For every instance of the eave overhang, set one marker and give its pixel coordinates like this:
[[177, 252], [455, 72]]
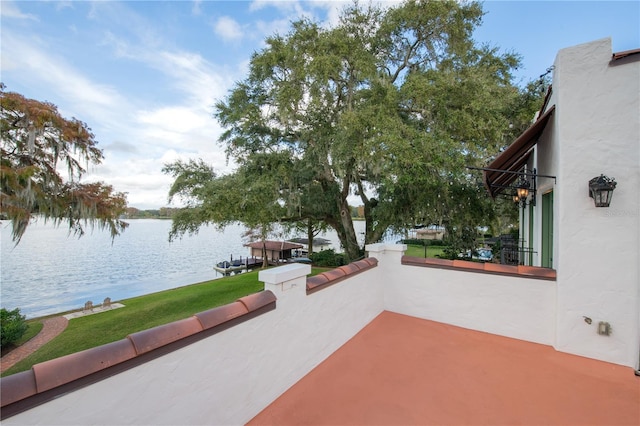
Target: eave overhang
[[502, 171]]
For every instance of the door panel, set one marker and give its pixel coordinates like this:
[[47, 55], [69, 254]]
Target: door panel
[[530, 236], [547, 230]]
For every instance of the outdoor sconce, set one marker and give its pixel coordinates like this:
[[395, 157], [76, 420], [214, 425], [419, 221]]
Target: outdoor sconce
[[601, 190], [521, 192]]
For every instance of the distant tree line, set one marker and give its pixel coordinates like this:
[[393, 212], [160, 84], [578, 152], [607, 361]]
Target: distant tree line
[[168, 212], [161, 213]]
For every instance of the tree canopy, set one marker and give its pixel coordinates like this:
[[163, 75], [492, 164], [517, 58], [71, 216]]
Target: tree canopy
[[36, 142], [388, 107]]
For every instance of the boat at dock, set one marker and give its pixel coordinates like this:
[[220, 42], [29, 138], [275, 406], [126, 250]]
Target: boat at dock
[[227, 267]]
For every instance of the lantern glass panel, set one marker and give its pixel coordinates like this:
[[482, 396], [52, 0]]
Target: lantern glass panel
[[601, 190], [523, 192]]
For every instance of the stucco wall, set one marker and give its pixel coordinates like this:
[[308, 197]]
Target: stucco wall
[[229, 377], [509, 306], [597, 132]]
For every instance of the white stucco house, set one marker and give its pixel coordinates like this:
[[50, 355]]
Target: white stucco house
[[576, 296], [588, 126]]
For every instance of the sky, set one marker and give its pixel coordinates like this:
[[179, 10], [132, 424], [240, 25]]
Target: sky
[[145, 75]]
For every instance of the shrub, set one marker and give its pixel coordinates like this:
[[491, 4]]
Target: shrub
[[12, 326], [328, 258]]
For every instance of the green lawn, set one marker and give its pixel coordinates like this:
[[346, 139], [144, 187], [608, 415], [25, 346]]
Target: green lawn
[[418, 251], [141, 313]]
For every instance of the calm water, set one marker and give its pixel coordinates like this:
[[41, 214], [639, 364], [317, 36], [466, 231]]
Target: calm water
[[50, 272]]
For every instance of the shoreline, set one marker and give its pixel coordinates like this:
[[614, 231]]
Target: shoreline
[[74, 312]]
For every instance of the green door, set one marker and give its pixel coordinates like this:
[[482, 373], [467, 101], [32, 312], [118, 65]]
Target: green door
[[531, 209], [547, 230]]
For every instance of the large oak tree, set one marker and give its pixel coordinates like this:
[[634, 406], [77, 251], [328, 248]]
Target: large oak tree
[[388, 106], [36, 142]]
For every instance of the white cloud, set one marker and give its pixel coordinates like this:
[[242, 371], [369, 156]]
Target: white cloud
[[176, 119], [228, 28], [142, 178], [187, 71], [183, 130], [85, 99], [138, 133], [194, 75], [196, 9], [269, 28], [121, 48], [294, 10], [288, 7], [10, 10], [119, 18], [326, 12], [121, 146], [63, 4], [141, 140]]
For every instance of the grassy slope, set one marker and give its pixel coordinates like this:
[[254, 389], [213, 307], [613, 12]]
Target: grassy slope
[[141, 313]]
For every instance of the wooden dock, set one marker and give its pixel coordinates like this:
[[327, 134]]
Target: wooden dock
[[228, 267]]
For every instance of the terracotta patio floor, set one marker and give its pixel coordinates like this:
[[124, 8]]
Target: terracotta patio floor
[[401, 370]]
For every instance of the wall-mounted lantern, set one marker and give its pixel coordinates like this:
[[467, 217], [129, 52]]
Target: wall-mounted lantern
[[601, 190], [521, 191]]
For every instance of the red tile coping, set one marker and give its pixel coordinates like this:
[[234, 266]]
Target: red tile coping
[[534, 272], [148, 340], [221, 314], [328, 278], [257, 300], [56, 372], [49, 379]]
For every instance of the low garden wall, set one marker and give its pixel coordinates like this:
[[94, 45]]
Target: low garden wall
[[225, 365], [222, 366], [510, 301]]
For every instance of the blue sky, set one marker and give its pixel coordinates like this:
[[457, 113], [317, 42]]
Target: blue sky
[[145, 75]]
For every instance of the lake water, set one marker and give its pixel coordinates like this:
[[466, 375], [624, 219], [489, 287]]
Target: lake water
[[50, 272]]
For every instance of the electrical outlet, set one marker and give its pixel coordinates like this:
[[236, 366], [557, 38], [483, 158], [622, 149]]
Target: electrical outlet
[[604, 328]]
